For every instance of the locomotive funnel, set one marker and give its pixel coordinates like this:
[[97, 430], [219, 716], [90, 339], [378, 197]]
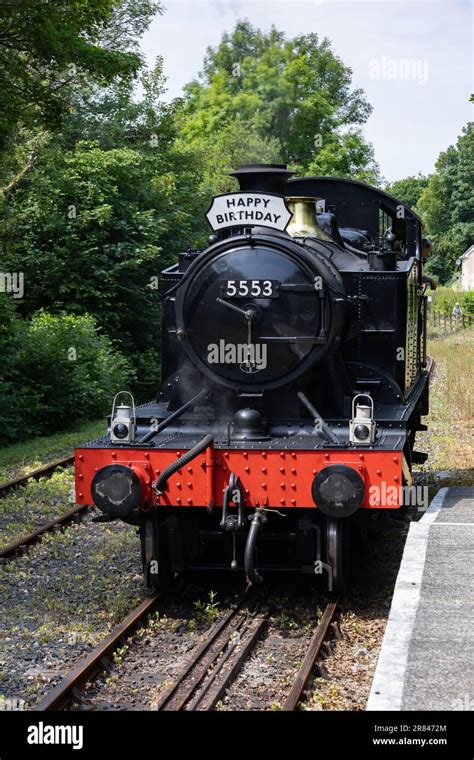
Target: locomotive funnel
[[262, 178]]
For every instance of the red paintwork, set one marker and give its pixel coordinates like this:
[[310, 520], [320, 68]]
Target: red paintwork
[[270, 478]]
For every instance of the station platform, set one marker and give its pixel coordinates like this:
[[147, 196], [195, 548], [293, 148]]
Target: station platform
[[427, 657]]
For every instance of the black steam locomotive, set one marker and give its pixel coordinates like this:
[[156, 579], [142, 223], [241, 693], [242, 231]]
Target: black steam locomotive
[[294, 381]]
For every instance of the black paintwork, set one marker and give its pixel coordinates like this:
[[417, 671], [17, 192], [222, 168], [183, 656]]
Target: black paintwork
[[369, 307], [366, 316]]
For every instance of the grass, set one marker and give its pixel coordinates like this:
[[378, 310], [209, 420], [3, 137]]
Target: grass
[[449, 440], [444, 298], [25, 509], [21, 458], [453, 389]]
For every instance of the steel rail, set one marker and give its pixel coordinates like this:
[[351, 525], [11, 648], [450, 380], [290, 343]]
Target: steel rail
[[64, 693], [220, 679], [35, 535], [294, 697], [31, 538], [211, 669], [48, 469]]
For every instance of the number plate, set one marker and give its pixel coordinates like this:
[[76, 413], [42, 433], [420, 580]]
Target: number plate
[[250, 289]]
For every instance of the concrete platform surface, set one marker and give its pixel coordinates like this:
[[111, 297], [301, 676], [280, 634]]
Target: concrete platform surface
[[427, 657]]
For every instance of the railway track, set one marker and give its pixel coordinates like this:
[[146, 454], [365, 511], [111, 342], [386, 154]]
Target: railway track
[[66, 690], [40, 472], [213, 665], [30, 538], [319, 637]]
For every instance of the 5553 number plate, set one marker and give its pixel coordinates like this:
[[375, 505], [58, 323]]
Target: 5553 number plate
[[250, 288]]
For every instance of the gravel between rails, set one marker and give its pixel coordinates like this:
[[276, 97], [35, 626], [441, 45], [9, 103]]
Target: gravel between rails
[[65, 594], [267, 676], [33, 505], [59, 599], [155, 654]]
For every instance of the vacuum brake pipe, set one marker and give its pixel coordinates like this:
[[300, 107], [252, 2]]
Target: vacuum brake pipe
[[249, 557], [318, 420], [163, 478], [155, 430]]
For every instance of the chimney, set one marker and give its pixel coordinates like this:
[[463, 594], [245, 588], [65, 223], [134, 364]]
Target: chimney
[[263, 178]]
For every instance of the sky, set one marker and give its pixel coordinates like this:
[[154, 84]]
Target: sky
[[413, 58]]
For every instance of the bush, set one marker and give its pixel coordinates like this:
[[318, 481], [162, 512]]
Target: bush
[[468, 302], [131, 215], [56, 369], [445, 298]]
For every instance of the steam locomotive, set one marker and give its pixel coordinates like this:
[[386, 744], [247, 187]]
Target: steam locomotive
[[294, 375]]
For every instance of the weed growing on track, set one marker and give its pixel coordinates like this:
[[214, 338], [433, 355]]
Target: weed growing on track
[[207, 612]]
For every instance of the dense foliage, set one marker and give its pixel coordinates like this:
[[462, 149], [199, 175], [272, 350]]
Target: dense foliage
[[48, 48], [100, 187], [91, 226], [445, 201], [292, 98], [409, 189], [56, 370], [447, 205]]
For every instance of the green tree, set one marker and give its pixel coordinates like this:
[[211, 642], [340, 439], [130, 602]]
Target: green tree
[[48, 52], [233, 145], [447, 205], [45, 45], [297, 92], [91, 225], [408, 190]]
